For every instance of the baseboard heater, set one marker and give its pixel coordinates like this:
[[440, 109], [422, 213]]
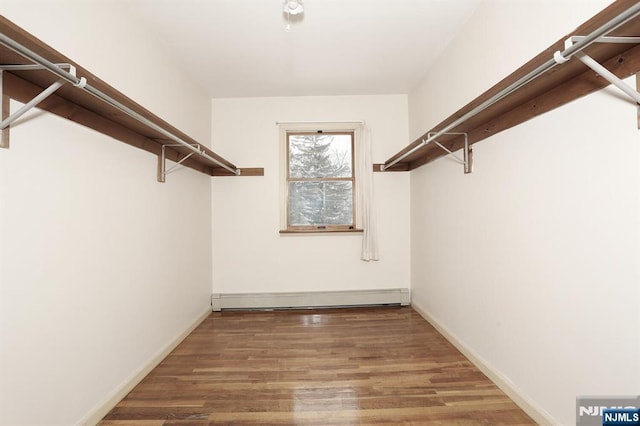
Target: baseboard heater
[[313, 299]]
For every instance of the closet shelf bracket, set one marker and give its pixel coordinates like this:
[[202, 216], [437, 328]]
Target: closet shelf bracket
[[7, 117], [598, 68], [467, 152], [162, 160]]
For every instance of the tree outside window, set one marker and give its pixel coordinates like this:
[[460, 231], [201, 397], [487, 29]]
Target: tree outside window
[[320, 181]]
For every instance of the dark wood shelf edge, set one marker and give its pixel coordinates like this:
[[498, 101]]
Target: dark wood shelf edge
[[400, 167], [255, 171]]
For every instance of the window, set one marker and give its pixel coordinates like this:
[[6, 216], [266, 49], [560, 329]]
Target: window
[[318, 180]]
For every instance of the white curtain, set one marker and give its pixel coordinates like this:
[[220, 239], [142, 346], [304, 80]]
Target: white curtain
[[366, 198]]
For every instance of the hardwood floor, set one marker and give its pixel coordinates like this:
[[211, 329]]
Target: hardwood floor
[[316, 367]]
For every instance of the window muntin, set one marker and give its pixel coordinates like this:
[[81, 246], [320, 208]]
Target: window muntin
[[320, 180]]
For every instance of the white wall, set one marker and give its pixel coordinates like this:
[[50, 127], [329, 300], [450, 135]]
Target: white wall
[[532, 261], [249, 254], [101, 267]]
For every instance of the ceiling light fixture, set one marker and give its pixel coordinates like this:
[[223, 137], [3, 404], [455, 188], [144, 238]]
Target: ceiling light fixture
[[293, 7]]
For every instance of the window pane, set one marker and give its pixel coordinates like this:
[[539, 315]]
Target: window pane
[[320, 203], [320, 156]]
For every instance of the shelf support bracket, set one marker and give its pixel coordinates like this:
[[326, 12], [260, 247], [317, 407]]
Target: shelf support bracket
[[467, 152], [601, 70], [162, 162], [8, 118]]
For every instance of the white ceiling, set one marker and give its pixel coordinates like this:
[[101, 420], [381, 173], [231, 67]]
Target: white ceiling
[[240, 48]]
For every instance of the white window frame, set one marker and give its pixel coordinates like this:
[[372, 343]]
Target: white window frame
[[315, 127]]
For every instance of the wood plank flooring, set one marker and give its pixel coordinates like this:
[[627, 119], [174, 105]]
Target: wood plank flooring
[[378, 366]]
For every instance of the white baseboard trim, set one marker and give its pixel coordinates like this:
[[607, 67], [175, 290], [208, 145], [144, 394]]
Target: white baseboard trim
[[103, 408], [539, 415], [394, 296]]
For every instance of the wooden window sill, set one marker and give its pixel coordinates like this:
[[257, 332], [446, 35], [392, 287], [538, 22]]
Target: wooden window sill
[[321, 231]]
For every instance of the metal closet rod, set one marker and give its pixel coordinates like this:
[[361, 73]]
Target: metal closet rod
[[565, 55], [81, 83]]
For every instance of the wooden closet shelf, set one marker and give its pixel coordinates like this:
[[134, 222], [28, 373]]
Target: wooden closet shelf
[[84, 108], [554, 88]]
